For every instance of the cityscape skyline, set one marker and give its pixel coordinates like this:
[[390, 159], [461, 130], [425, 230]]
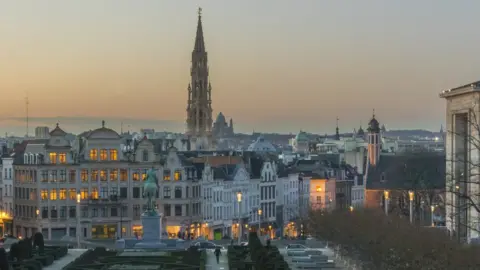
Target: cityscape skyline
[[138, 60]]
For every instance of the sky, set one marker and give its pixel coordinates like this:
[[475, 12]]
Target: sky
[[275, 65]]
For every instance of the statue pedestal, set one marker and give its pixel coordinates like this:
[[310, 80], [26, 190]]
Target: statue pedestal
[[152, 227], [151, 222]]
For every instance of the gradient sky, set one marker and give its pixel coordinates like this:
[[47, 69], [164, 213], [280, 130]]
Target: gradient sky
[[275, 65]]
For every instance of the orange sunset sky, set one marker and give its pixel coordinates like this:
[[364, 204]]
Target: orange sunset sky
[[275, 66]]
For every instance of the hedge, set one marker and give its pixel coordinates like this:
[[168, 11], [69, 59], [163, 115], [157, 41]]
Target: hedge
[[376, 241]]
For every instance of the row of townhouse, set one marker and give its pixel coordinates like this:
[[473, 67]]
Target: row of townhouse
[[211, 194]]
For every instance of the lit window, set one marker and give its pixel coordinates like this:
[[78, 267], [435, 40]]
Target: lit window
[[72, 194], [103, 154], [113, 154], [135, 176], [144, 175], [53, 195], [166, 175], [94, 194], [123, 175], [178, 175], [62, 158], [318, 189], [84, 175], [103, 175], [53, 158], [44, 194], [113, 175], [93, 154], [84, 193], [94, 175], [63, 194]]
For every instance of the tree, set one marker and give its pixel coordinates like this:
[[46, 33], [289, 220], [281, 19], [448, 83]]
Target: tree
[[377, 241], [424, 174], [462, 178]]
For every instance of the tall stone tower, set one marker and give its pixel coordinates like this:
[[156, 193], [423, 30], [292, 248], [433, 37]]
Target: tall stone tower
[[374, 142], [199, 106]]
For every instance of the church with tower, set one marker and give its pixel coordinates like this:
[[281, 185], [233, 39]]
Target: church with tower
[[200, 128]]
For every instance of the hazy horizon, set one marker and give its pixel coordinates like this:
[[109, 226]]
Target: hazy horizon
[[275, 66]]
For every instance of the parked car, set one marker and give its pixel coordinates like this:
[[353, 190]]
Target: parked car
[[295, 246], [206, 245]]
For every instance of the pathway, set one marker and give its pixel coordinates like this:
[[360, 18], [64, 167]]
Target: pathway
[[71, 256], [212, 261]]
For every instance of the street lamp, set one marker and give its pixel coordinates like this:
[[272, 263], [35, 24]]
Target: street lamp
[[386, 196], [351, 208], [38, 220], [239, 200], [411, 196], [259, 212], [78, 219], [433, 209]]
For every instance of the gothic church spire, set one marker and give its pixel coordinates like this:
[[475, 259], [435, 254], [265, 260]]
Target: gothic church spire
[[199, 40]]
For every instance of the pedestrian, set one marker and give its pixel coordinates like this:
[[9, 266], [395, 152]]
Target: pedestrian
[[217, 254]]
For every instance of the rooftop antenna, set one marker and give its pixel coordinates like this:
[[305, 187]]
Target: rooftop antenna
[[26, 110], [121, 127]]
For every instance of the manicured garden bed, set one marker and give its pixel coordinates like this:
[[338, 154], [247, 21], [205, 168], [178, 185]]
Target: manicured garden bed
[[31, 255], [100, 258], [255, 255]]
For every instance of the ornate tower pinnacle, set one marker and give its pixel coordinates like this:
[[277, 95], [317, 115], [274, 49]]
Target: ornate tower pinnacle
[[199, 106], [337, 132]]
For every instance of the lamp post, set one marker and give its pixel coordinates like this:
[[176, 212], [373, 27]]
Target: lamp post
[[78, 219], [411, 196], [259, 212], [351, 208], [239, 200], [38, 220], [433, 209], [385, 195]]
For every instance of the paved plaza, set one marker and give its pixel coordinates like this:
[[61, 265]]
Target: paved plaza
[[212, 261]]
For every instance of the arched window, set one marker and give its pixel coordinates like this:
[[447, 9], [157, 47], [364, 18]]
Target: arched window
[[25, 158]]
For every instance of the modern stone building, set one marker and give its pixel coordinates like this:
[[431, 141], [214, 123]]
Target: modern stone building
[[462, 161]]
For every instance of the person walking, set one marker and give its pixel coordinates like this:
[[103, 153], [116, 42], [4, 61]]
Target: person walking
[[217, 254]]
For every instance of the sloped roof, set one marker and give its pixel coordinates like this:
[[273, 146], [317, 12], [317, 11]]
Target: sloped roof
[[57, 131], [408, 171]]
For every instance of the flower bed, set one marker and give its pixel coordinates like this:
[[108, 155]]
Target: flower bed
[[100, 258], [375, 241], [25, 256], [265, 257]]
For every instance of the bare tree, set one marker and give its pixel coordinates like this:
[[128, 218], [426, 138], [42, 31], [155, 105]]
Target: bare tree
[[424, 179], [462, 177]]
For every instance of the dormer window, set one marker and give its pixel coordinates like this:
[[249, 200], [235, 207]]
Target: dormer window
[[178, 175], [25, 158], [113, 154], [62, 158], [382, 177], [166, 175], [32, 160], [145, 156], [93, 154], [53, 158], [103, 154]]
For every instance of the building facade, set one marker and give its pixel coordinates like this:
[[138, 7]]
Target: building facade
[[462, 180]]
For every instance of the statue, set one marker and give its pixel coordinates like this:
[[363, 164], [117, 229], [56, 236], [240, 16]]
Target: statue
[[150, 188]]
